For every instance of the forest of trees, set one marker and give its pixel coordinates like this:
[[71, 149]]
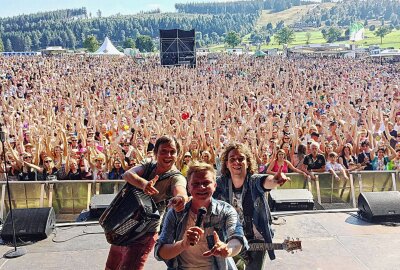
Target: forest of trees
[[349, 11], [69, 28], [235, 7]]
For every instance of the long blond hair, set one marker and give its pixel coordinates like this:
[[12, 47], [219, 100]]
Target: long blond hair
[[242, 148]]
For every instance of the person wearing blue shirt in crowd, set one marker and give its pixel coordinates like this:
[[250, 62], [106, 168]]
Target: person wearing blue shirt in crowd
[[245, 191], [183, 245]]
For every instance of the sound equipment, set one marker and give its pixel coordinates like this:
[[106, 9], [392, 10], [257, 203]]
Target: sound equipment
[[99, 203], [290, 200], [31, 224], [380, 206]]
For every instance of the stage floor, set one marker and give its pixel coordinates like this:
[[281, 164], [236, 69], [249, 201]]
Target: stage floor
[[329, 241]]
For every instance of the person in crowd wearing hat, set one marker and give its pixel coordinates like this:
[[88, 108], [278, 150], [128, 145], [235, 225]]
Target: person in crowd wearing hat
[[28, 148], [183, 163], [99, 169]]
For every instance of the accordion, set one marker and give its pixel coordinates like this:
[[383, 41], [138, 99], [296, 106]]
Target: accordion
[[129, 216]]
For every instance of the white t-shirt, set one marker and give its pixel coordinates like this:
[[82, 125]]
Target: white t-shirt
[[192, 258]]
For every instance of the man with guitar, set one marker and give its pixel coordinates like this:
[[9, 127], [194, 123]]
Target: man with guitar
[[245, 191], [206, 234], [162, 181]]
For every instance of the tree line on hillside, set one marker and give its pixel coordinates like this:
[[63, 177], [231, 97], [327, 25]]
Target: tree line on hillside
[[235, 7], [349, 11], [30, 32]]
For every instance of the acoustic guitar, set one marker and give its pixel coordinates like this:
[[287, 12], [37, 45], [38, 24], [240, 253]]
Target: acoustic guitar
[[290, 245]]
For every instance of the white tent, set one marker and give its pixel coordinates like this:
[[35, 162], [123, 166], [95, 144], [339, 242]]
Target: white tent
[[107, 48]]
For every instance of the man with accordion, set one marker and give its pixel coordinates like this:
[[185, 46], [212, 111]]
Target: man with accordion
[[149, 185]]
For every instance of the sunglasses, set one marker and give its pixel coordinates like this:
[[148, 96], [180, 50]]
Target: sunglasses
[[48, 161], [27, 157], [240, 159]]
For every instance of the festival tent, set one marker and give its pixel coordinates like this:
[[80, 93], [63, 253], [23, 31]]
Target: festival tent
[[259, 53], [107, 48]]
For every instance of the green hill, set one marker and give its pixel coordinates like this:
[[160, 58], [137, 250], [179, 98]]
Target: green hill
[[290, 15]]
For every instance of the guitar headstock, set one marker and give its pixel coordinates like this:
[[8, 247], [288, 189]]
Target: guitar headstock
[[290, 245]]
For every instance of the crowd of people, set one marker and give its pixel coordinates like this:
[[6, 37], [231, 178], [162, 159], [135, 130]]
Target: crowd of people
[[233, 128], [76, 117]]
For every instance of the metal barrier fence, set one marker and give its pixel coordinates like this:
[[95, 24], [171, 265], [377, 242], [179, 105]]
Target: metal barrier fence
[[70, 197]]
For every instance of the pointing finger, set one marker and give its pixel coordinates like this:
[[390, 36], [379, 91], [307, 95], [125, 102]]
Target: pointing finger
[[154, 180], [216, 237]]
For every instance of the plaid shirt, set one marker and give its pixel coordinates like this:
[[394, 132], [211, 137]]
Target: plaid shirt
[[222, 218]]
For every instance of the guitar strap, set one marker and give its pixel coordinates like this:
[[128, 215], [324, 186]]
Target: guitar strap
[[151, 166]]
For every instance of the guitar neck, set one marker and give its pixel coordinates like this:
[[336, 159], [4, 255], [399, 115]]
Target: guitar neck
[[265, 246]]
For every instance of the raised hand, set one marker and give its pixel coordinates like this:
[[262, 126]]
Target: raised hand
[[149, 188], [177, 202], [220, 249], [192, 236], [280, 178]]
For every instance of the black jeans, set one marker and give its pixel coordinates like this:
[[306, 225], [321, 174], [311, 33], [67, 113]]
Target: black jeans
[[256, 260]]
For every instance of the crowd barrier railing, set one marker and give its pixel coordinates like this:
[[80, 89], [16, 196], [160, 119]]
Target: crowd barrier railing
[[71, 197]]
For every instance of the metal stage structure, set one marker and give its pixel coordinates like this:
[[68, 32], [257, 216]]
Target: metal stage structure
[[177, 47]]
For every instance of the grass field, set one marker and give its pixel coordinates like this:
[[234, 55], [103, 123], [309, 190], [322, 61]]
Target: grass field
[[390, 40], [289, 16]]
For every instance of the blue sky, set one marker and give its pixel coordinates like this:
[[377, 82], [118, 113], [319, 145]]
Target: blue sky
[[17, 7]]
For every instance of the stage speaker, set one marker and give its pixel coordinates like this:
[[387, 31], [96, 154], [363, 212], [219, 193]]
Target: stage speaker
[[99, 203], [290, 200], [31, 224], [380, 206]]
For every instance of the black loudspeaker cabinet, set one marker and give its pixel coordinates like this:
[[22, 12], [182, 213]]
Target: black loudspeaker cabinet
[[31, 224], [380, 206], [290, 200]]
